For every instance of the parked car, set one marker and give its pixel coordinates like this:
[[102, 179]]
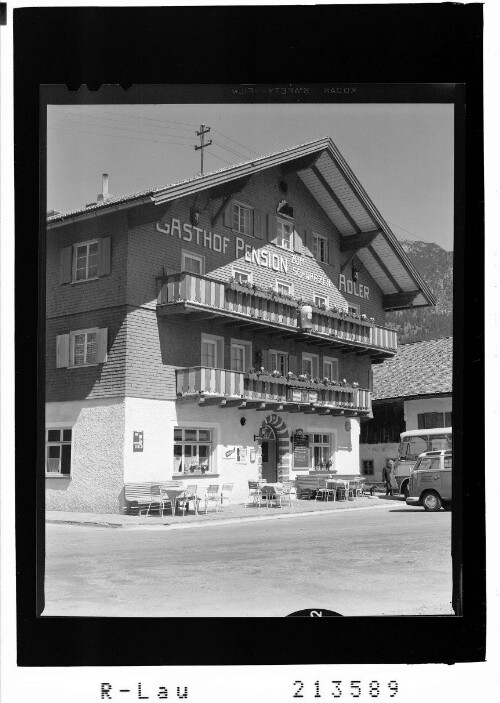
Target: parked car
[[430, 481]]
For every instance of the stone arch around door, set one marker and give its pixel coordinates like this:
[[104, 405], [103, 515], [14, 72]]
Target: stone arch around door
[[283, 442]]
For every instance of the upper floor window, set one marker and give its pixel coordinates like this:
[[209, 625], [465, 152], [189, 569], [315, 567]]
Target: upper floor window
[[320, 301], [353, 309], [284, 234], [242, 218], [193, 263], [320, 248], [331, 368], [82, 348], [85, 261], [241, 355], [58, 451], [212, 351], [284, 288], [278, 361], [310, 363], [242, 276]]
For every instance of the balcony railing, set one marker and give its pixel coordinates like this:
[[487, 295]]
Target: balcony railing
[[188, 292], [231, 388]]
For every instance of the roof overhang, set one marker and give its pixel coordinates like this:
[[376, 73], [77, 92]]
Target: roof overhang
[[328, 177]]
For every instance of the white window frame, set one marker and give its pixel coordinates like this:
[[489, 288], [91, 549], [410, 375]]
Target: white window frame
[[196, 257], [194, 442], [355, 306], [335, 363], [59, 426], [213, 339], [282, 353], [247, 352], [72, 336], [332, 433], [244, 272], [280, 221], [314, 359], [243, 206], [323, 297], [316, 249], [86, 244], [281, 282]]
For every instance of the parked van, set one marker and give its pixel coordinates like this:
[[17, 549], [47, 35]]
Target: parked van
[[412, 444], [430, 481]]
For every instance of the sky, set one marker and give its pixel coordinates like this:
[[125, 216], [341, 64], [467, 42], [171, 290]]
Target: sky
[[401, 153]]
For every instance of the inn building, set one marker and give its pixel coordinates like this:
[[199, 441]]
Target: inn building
[[218, 329]]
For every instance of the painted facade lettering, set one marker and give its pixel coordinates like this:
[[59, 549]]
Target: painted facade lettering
[[348, 286]]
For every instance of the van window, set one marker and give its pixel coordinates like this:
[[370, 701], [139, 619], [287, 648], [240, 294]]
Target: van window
[[440, 442], [428, 464], [448, 462], [411, 447]]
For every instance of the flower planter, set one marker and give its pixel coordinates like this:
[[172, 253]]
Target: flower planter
[[342, 316], [267, 378]]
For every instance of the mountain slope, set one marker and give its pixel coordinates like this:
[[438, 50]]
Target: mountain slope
[[435, 265]]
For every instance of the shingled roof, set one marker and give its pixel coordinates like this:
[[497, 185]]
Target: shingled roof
[[420, 368]]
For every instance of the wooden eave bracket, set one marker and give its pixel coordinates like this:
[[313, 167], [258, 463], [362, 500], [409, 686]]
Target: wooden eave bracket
[[226, 192], [355, 242], [395, 301]]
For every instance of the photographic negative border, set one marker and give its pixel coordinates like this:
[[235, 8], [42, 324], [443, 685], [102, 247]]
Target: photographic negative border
[[452, 46]]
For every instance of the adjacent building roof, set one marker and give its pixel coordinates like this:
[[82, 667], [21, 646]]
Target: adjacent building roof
[[420, 368], [326, 174]]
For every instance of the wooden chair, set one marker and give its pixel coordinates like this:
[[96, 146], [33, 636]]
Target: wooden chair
[[286, 493]]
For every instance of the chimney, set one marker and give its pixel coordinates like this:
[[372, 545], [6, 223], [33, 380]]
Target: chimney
[[102, 197]]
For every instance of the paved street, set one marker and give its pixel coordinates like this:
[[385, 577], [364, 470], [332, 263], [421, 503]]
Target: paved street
[[366, 562]]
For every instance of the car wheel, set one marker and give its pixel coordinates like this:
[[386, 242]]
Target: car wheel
[[431, 501], [406, 490]]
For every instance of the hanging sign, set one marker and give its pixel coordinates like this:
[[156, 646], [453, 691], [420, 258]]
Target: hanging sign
[[300, 450], [138, 441]]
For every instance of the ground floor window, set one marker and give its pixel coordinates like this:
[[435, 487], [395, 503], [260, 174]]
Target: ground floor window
[[368, 467], [321, 451], [58, 452], [192, 450]]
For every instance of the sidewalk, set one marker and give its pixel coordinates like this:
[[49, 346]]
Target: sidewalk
[[229, 515]]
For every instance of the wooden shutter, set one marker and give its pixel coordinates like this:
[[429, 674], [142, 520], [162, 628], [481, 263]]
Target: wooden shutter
[[292, 363], [102, 345], [272, 225], [265, 359], [65, 263], [228, 215], [62, 351], [331, 252], [297, 241], [259, 221], [308, 242], [104, 256], [220, 354]]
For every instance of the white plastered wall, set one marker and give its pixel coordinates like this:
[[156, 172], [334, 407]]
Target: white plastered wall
[[412, 408], [96, 481]]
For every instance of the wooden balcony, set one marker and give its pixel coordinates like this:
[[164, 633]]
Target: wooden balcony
[[196, 297], [219, 387]]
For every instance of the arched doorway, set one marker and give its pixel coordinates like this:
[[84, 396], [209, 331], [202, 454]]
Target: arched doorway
[[269, 455]]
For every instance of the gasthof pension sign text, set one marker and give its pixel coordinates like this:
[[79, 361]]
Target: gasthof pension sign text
[[264, 258]]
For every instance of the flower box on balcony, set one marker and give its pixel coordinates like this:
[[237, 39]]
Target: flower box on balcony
[[296, 383], [343, 316], [267, 378], [262, 293]]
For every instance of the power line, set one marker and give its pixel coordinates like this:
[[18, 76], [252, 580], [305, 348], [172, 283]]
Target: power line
[[234, 140], [138, 117], [419, 237], [227, 148], [117, 136], [125, 129]]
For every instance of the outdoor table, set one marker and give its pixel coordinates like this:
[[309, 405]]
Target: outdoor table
[[174, 493], [276, 486]]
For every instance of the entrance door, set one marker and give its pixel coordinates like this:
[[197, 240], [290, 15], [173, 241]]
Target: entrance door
[[269, 456]]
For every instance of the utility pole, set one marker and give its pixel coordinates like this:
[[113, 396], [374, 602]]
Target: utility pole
[[201, 135]]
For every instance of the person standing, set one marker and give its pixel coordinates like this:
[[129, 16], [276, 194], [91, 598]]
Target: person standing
[[386, 476]]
